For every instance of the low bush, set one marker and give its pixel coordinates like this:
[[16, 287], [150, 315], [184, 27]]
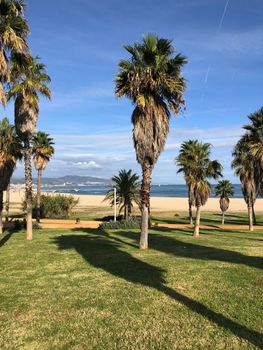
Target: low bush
[[53, 206], [122, 224]]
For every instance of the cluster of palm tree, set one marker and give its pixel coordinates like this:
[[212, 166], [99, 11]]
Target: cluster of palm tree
[[248, 162], [22, 78], [152, 79], [195, 163], [127, 187]]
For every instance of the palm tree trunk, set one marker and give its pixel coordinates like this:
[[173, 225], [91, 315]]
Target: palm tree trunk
[[125, 212], [223, 217], [197, 221], [250, 217], [39, 175], [28, 183], [190, 206], [145, 201], [7, 203], [129, 212], [149, 212], [1, 210], [254, 215]]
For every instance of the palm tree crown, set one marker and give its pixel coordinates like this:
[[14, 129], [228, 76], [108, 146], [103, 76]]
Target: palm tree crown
[[10, 152], [42, 149], [151, 78], [13, 34], [224, 188], [244, 165], [255, 135], [29, 79], [127, 191], [203, 169]]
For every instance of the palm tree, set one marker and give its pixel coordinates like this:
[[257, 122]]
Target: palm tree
[[254, 139], [152, 80], [224, 189], [184, 161], [10, 152], [245, 168], [13, 34], [42, 150], [202, 169], [127, 192], [29, 79], [255, 135]]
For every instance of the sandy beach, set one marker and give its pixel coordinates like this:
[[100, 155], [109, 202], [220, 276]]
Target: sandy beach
[[157, 203]]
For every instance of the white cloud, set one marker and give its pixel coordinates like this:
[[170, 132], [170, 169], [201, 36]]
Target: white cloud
[[105, 154], [86, 165]]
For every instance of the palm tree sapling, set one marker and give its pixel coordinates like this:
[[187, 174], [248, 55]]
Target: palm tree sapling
[[127, 192]]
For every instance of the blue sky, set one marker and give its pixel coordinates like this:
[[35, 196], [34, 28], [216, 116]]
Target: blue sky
[[81, 42]]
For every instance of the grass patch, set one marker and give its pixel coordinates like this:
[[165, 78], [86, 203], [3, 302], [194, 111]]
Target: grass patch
[[207, 217], [85, 289]]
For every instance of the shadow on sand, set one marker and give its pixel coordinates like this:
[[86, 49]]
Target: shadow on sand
[[103, 252]]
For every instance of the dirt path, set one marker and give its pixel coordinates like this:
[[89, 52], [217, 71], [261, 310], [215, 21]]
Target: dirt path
[[48, 223], [222, 227]]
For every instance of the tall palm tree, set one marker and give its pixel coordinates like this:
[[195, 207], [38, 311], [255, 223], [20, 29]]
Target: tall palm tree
[[184, 162], [10, 152], [245, 168], [202, 169], [29, 79], [224, 189], [42, 150], [13, 35], [254, 139], [127, 192], [255, 135], [152, 80]]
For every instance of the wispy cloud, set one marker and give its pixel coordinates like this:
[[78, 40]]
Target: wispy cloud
[[223, 16], [110, 153]]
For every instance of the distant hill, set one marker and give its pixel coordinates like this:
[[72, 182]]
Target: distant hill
[[73, 179]]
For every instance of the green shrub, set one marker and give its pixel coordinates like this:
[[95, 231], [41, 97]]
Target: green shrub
[[53, 206], [122, 224]]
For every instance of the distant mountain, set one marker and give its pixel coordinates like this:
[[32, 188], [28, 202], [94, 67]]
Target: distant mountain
[[72, 179]]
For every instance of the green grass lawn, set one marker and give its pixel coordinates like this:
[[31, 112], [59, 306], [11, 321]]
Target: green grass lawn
[[207, 218], [85, 289]]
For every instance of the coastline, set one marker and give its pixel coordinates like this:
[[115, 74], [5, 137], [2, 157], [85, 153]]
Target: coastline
[[175, 204]]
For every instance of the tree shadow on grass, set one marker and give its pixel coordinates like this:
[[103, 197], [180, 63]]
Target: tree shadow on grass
[[212, 221], [215, 231], [171, 245], [102, 252], [6, 238]]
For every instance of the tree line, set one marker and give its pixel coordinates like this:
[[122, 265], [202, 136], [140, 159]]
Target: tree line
[[23, 78], [152, 79]]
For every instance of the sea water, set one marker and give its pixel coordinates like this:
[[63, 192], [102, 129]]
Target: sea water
[[156, 190]]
